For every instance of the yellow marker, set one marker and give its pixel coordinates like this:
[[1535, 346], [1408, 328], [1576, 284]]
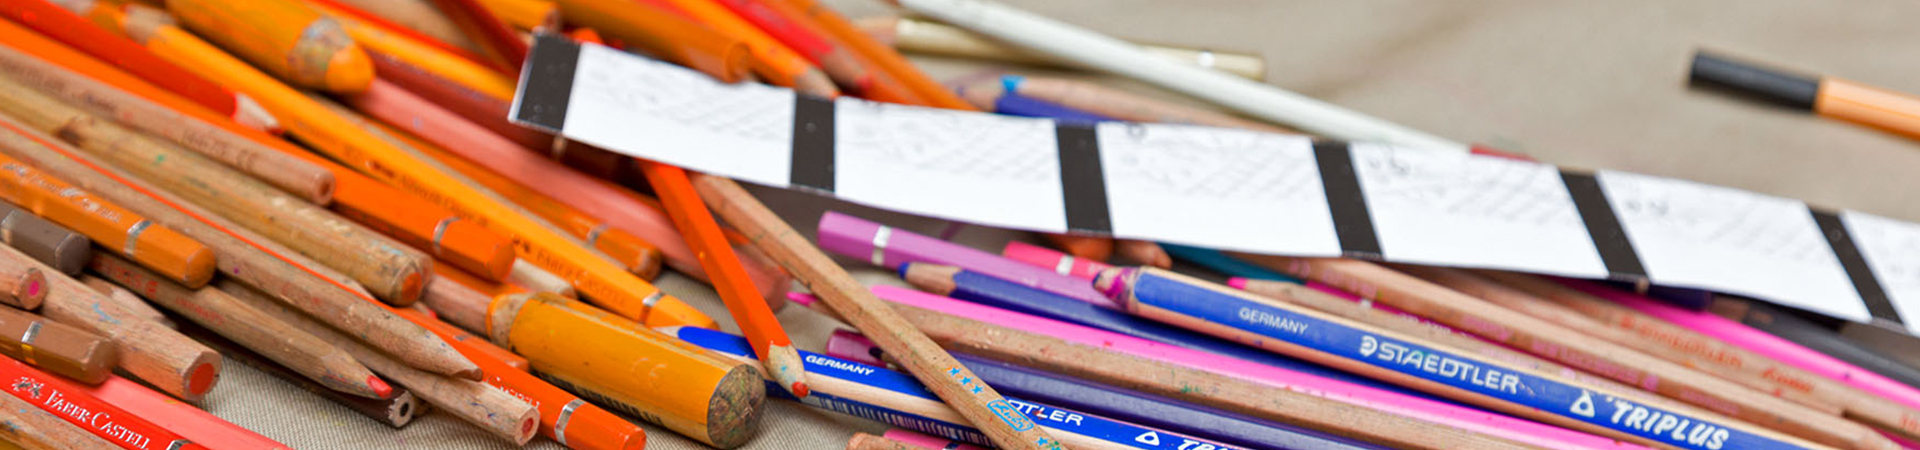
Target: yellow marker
[[284, 37], [658, 378]]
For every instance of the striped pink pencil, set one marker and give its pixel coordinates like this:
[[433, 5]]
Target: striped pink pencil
[[1432, 411], [1047, 258], [1757, 341]]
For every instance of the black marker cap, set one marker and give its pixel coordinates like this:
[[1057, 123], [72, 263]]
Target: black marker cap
[[1762, 84]]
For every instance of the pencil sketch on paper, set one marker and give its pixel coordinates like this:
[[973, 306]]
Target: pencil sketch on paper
[[687, 98], [1892, 251], [926, 140], [1726, 220], [1463, 186], [1210, 163]]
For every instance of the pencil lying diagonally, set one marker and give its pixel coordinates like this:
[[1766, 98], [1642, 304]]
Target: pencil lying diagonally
[[491, 409], [976, 401], [1339, 342], [702, 232], [31, 428], [99, 98], [67, 27], [285, 37], [248, 259], [1632, 367], [211, 308], [394, 271]]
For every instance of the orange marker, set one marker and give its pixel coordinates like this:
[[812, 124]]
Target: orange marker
[[67, 27], [702, 232], [175, 256], [1828, 96], [284, 37]]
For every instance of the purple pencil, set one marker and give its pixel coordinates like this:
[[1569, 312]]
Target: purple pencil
[[890, 247]]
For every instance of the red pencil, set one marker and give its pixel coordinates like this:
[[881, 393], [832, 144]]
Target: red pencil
[[481, 26], [75, 31], [192, 423], [77, 406], [729, 277]]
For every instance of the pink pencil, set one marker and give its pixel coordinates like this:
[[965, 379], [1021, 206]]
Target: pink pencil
[[1441, 413], [1757, 341], [1047, 258], [925, 440]]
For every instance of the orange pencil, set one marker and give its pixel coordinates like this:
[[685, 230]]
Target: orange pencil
[[525, 14], [481, 26], [1083, 247], [340, 137], [700, 230], [1828, 96], [640, 257], [341, 9], [775, 62], [455, 334], [68, 27], [848, 68], [179, 258], [888, 60], [663, 34], [284, 37]]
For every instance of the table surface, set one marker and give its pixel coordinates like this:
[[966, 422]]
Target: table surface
[[1581, 84]]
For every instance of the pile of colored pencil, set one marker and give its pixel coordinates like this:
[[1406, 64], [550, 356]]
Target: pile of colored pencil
[[330, 192]]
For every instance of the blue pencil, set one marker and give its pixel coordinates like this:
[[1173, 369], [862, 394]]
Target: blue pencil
[[987, 290], [895, 398], [1175, 298]]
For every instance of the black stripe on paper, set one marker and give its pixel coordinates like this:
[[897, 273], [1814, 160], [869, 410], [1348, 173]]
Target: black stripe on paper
[[1878, 304], [812, 144], [1083, 186], [1603, 227], [1351, 221], [546, 84]]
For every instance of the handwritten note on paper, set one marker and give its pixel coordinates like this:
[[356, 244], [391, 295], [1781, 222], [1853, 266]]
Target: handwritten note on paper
[[1453, 208], [744, 130], [993, 170], [1702, 235], [1892, 250], [1232, 189]]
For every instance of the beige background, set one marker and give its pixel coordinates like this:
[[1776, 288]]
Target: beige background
[[1584, 84]]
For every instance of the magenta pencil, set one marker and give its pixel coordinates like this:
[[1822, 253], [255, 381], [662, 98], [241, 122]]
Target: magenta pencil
[[890, 247], [1758, 342], [912, 438], [1047, 258], [1432, 411]]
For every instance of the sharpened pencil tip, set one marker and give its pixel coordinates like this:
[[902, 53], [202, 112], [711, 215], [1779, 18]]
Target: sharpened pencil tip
[[380, 387], [800, 390]]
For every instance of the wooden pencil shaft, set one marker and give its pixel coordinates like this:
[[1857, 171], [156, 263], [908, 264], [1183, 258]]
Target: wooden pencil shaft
[[1597, 356], [533, 278], [1186, 384], [287, 173], [284, 37], [477, 403], [863, 441], [44, 241], [396, 411], [1682, 345], [1130, 107], [525, 14], [417, 15], [56, 347], [159, 356], [674, 384], [876, 55], [125, 299], [248, 259], [496, 39], [31, 428], [21, 283], [458, 304], [219, 312], [424, 317], [919, 355], [396, 272]]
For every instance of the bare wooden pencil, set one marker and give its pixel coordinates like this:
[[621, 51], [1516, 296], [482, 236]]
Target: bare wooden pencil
[[395, 271], [32, 428], [254, 261], [1628, 366], [161, 357], [393, 412], [920, 356], [477, 403], [219, 312], [22, 285], [863, 441], [300, 178], [125, 298]]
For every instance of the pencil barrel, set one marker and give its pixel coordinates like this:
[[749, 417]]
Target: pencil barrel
[[670, 383], [285, 37], [31, 428], [396, 411], [55, 246], [56, 347]]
